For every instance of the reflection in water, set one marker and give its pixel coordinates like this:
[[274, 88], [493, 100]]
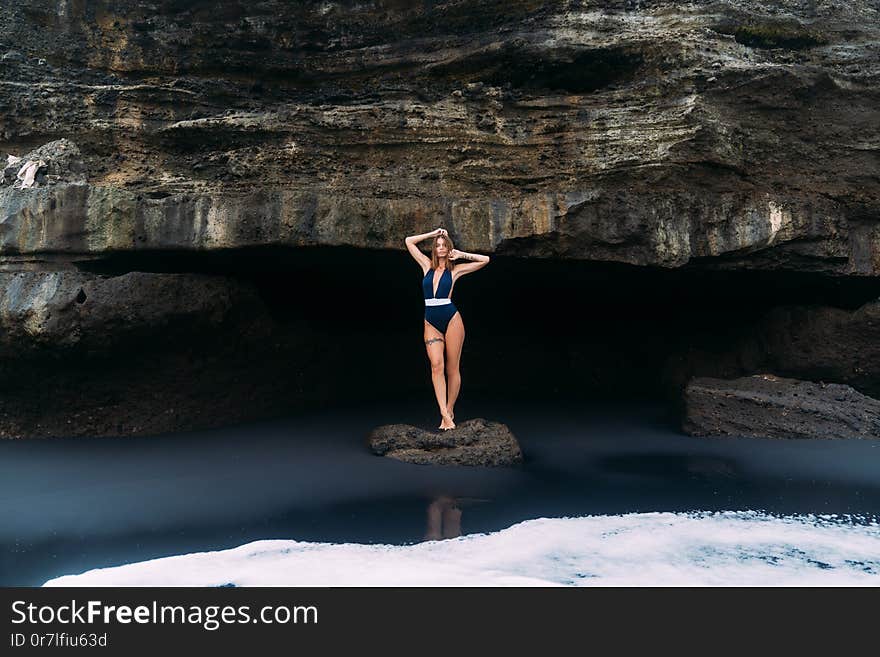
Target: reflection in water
[[444, 519]]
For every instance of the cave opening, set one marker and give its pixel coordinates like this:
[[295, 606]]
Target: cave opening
[[350, 321]]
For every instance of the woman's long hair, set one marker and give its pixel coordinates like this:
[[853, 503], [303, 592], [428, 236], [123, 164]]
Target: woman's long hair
[[450, 265]]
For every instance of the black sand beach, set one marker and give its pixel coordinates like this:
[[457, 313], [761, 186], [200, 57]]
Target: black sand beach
[[69, 505]]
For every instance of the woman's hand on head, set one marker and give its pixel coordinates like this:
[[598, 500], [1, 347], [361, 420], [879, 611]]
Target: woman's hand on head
[[440, 231]]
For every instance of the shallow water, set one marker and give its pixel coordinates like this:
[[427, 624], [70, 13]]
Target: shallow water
[[71, 505]]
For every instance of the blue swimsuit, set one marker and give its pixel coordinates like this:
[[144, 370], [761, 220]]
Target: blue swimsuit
[[438, 316]]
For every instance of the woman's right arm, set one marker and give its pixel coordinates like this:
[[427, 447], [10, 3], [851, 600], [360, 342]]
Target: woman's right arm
[[418, 238], [414, 251]]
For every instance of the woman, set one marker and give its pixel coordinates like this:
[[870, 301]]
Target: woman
[[444, 328]]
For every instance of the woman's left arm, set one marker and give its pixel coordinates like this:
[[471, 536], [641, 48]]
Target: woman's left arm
[[476, 261]]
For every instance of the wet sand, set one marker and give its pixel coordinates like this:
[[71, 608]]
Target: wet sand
[[69, 505]]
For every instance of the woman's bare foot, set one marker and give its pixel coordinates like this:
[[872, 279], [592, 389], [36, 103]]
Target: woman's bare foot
[[451, 413], [447, 422]]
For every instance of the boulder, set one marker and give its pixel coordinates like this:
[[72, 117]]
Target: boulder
[[768, 406], [472, 442]]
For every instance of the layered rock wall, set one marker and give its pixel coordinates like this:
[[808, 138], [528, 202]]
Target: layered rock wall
[[742, 134]]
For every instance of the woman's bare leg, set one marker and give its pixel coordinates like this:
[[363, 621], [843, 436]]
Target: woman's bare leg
[[434, 346], [454, 342]]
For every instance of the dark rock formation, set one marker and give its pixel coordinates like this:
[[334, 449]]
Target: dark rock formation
[[68, 309], [472, 442], [768, 406], [707, 135], [141, 353], [821, 343], [807, 342]]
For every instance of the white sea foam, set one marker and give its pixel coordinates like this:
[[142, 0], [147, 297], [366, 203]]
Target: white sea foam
[[639, 549]]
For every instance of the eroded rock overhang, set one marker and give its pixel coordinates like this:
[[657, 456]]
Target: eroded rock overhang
[[718, 133], [655, 228]]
